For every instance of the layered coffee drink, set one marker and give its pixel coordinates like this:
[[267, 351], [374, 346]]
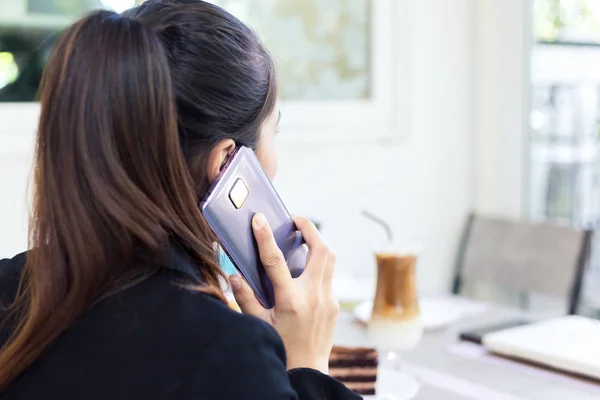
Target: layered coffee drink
[[395, 323]]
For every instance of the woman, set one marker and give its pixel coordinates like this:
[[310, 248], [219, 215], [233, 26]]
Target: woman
[[120, 295]]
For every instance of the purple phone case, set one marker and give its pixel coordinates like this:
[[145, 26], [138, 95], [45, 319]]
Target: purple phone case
[[233, 226]]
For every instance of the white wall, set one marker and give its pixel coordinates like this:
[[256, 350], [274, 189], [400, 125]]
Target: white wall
[[501, 48], [14, 172], [422, 184], [16, 123]]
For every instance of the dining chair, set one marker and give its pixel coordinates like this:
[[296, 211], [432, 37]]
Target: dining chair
[[523, 257]]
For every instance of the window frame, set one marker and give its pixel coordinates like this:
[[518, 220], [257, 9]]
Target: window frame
[[384, 117]]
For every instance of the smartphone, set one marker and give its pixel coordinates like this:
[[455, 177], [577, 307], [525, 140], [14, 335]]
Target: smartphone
[[242, 190], [476, 335]]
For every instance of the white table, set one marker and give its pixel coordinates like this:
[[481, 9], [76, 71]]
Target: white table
[[452, 370]]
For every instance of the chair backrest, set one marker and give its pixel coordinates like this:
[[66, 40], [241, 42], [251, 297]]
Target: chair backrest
[[541, 258]]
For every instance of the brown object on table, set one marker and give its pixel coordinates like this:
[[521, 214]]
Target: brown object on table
[[396, 296], [355, 367]]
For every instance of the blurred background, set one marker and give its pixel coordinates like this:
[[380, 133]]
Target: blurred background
[[420, 111]]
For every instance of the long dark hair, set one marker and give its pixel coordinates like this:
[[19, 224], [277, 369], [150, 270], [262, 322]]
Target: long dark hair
[[131, 106], [223, 77]]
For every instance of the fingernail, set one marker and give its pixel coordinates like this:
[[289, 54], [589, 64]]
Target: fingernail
[[259, 221], [236, 284]]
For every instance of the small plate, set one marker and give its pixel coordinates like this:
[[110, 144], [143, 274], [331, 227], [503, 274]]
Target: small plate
[[436, 313]]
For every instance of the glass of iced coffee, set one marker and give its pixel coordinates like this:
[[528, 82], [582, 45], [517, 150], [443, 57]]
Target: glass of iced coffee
[[395, 325]]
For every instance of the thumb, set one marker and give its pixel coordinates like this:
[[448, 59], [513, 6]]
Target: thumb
[[245, 298]]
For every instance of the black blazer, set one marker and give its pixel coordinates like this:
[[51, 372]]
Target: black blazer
[[157, 340]]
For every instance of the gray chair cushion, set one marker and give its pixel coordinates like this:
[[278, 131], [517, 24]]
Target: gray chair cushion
[[530, 257]]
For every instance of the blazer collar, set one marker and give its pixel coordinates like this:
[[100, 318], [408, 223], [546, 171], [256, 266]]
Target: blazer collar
[[178, 261]]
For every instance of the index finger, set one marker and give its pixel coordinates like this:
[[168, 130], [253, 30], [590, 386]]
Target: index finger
[[270, 254]]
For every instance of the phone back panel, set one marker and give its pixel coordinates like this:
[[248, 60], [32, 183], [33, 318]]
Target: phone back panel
[[233, 226]]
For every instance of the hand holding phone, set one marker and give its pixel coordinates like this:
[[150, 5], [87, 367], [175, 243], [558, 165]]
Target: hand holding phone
[[241, 191], [305, 308]]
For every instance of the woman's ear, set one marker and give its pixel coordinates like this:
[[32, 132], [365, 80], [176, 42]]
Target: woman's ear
[[218, 157]]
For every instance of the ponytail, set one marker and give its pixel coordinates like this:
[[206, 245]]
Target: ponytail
[[111, 186]]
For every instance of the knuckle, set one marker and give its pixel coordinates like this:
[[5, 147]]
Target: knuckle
[[330, 268], [273, 259], [335, 308], [315, 302], [321, 251], [332, 257], [295, 308]]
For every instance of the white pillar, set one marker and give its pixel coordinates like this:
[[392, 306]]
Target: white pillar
[[501, 43]]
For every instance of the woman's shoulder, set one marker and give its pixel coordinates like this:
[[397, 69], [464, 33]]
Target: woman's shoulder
[[203, 315], [164, 311], [10, 274], [211, 343], [12, 264], [160, 297], [244, 353], [172, 312], [160, 301]]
